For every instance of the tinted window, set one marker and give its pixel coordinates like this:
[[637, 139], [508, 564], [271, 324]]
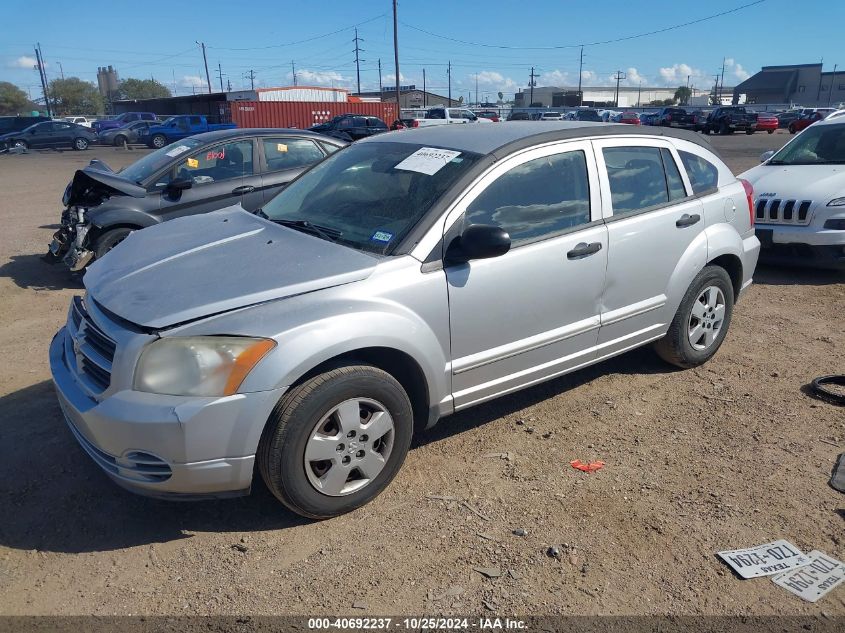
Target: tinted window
[[539, 198], [345, 122], [436, 114], [637, 179], [220, 162], [673, 176], [195, 120], [287, 153], [703, 175], [377, 123], [329, 148], [150, 164]]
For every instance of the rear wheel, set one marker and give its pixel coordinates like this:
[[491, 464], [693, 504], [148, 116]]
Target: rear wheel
[[702, 320], [80, 144], [334, 442], [158, 141], [21, 144], [770, 131], [749, 132], [119, 140], [110, 239], [792, 129]]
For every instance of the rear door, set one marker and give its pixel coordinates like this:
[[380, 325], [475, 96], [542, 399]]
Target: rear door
[[222, 175], [283, 159], [656, 239]]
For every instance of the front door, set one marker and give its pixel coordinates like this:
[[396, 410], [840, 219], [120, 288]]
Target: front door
[[221, 176], [534, 312], [657, 241], [284, 159]]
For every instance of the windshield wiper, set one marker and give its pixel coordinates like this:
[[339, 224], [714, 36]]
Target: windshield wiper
[[332, 235]]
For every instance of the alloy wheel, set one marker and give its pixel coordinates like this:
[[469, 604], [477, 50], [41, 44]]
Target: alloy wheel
[[706, 318]]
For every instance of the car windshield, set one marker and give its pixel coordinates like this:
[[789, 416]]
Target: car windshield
[[817, 145], [150, 164], [370, 195]]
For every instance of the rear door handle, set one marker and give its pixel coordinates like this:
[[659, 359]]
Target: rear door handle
[[687, 220], [583, 250], [243, 189]]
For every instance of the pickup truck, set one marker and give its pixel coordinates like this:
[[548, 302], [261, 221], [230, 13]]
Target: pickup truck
[[675, 117], [443, 116], [730, 119], [120, 121], [179, 127]]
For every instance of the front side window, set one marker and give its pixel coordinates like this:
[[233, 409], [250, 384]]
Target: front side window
[[538, 199], [637, 178], [703, 175], [370, 195], [817, 145], [195, 120], [220, 162], [288, 153]]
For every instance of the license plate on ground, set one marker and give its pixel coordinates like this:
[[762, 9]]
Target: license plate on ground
[[813, 581], [765, 237], [765, 560]]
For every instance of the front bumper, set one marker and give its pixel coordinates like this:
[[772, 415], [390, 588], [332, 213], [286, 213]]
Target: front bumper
[[164, 446], [806, 246]]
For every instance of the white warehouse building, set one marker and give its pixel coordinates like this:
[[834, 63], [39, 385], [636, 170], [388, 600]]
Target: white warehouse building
[[560, 97]]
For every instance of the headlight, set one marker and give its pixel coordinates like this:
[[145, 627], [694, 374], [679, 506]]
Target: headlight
[[199, 366], [837, 202]]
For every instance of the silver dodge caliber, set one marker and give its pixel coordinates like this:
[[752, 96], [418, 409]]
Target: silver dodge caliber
[[408, 276]]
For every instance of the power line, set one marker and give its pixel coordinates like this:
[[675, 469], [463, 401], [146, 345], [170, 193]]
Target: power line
[[599, 43]]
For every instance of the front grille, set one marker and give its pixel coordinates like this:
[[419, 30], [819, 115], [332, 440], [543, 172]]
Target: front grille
[[776, 211], [92, 349]]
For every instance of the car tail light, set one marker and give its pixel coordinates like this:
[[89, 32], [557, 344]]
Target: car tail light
[[669, 117], [749, 196], [415, 123]]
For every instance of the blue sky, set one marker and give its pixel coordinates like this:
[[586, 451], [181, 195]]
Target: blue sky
[[261, 35]]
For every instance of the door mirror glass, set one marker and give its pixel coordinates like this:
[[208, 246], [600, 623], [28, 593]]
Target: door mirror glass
[[478, 241], [766, 155]]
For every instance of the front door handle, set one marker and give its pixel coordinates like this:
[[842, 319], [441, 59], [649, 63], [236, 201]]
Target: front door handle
[[237, 191], [687, 220], [584, 250]]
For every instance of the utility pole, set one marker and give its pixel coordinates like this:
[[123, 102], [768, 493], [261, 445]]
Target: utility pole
[[205, 60], [640, 95], [619, 77], [357, 60], [832, 84], [449, 75], [43, 76], [580, 71], [380, 86], [61, 70], [476, 89], [229, 85], [531, 84], [251, 76], [293, 71], [396, 59], [716, 99], [220, 75], [723, 80], [425, 100]]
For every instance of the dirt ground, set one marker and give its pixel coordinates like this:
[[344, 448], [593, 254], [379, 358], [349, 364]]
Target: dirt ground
[[729, 455]]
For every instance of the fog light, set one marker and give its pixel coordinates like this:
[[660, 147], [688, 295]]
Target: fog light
[[835, 225]]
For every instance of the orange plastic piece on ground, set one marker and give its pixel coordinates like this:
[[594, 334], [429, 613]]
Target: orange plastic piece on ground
[[587, 468]]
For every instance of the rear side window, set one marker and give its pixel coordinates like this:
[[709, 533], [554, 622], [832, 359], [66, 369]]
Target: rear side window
[[703, 175], [637, 178], [673, 176], [538, 199], [288, 153]]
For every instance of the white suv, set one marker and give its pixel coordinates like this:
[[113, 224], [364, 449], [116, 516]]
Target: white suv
[[800, 198]]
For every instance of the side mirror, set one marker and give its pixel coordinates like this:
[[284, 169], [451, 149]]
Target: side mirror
[[478, 241], [766, 155], [179, 185]]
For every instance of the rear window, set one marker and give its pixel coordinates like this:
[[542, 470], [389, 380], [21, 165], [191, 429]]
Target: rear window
[[703, 175]]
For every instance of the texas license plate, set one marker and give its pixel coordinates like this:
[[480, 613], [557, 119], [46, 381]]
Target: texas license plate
[[765, 560], [813, 581]]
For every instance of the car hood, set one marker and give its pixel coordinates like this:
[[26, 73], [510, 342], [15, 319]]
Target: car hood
[[819, 183], [97, 179], [194, 267]]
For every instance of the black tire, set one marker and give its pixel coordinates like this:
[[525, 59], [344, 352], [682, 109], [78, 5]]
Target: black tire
[[792, 129], [19, 143], [119, 140], [724, 129], [675, 348], [749, 132], [80, 144], [770, 131], [158, 141], [281, 452], [110, 239]]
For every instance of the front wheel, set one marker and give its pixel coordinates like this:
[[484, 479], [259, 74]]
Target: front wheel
[[158, 141], [21, 144], [792, 129], [701, 322], [110, 239], [770, 131], [119, 140], [80, 144], [334, 442], [749, 132]]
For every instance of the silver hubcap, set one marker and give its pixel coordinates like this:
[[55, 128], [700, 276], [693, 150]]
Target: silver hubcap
[[706, 318], [349, 447], [158, 141]]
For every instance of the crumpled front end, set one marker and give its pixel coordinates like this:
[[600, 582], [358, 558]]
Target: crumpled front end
[[70, 242]]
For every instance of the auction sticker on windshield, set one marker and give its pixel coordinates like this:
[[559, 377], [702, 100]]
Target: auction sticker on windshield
[[179, 149], [765, 560], [813, 581], [428, 160]]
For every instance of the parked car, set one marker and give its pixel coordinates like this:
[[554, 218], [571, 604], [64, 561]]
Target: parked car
[[586, 114], [443, 116], [79, 120], [806, 120], [629, 118], [730, 119], [785, 118], [766, 122], [800, 204], [351, 127], [699, 119], [50, 134], [488, 114], [549, 116], [519, 116], [674, 117], [180, 127], [131, 133], [647, 118], [387, 288], [122, 119], [202, 173], [9, 124]]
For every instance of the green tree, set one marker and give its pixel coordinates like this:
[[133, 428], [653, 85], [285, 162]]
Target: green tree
[[682, 95], [142, 89], [668, 102], [13, 100], [74, 96]]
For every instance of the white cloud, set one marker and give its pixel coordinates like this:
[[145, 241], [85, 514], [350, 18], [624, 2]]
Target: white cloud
[[307, 77], [390, 79], [731, 66], [493, 80], [25, 62], [677, 74], [634, 78], [554, 78], [192, 81]]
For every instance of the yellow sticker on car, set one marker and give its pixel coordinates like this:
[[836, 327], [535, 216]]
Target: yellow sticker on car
[[193, 163], [281, 147]]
